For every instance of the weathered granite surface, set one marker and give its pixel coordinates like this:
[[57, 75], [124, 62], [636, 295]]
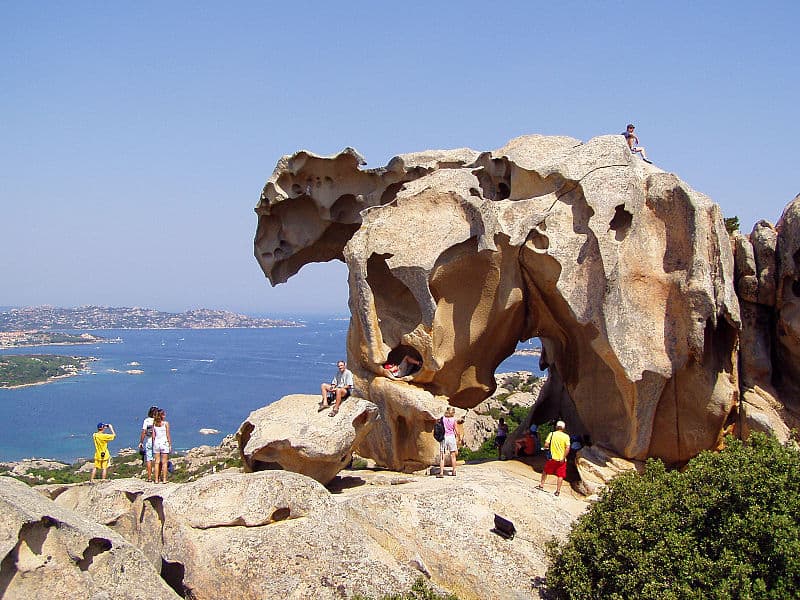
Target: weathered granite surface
[[624, 271], [277, 534]]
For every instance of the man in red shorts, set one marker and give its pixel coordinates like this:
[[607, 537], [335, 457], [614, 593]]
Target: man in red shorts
[[558, 443]]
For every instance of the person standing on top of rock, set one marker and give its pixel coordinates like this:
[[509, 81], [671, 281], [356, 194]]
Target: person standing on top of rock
[[449, 444], [162, 445], [633, 143], [558, 444], [338, 389], [101, 456], [146, 440]]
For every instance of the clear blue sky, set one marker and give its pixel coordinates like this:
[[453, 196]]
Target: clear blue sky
[[135, 138]]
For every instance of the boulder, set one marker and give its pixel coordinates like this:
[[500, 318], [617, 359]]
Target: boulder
[[478, 428], [623, 271], [597, 467], [292, 434], [52, 552]]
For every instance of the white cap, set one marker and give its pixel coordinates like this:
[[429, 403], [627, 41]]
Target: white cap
[[560, 425]]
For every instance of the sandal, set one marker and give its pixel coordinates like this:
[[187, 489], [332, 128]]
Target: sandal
[[538, 487], [557, 493], [334, 412]]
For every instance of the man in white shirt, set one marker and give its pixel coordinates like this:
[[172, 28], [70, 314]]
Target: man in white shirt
[[338, 389]]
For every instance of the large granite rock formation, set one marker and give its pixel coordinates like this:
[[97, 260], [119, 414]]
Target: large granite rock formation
[[768, 285], [622, 270]]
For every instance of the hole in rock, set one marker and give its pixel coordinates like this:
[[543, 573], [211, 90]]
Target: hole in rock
[[503, 191], [280, 514], [406, 359], [796, 257], [796, 288], [96, 546], [390, 192], [399, 310], [621, 222], [539, 240], [263, 465], [173, 573], [346, 209]]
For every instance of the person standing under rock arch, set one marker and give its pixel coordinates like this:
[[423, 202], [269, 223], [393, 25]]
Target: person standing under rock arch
[[558, 444], [338, 389], [501, 437], [633, 143], [449, 444]]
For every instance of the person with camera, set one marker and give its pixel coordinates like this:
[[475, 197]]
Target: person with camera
[[101, 456]]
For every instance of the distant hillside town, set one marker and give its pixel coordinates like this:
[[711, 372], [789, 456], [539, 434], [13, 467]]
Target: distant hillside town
[[103, 317]]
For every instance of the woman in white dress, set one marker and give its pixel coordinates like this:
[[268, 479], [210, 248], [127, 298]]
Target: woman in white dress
[[162, 444]]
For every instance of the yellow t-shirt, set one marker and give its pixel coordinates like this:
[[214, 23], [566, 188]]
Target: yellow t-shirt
[[101, 445], [559, 442]]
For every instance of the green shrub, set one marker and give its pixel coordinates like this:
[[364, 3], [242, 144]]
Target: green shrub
[[487, 450], [725, 528], [358, 464]]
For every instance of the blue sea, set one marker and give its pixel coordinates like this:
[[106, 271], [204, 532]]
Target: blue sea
[[203, 378]]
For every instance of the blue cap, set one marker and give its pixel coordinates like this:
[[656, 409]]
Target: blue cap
[[100, 425], [534, 429]]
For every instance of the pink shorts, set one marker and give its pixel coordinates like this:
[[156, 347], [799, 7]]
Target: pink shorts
[[556, 467]]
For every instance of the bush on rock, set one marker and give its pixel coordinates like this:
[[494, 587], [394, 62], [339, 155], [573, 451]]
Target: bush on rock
[[726, 527]]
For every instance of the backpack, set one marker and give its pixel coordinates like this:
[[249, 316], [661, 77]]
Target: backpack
[[438, 430]]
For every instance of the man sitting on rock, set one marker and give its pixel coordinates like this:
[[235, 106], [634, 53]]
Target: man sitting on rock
[[338, 389], [633, 143], [528, 444]]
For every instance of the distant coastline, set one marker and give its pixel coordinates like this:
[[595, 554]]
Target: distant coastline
[[528, 352], [49, 318], [26, 370], [35, 338], [37, 326]]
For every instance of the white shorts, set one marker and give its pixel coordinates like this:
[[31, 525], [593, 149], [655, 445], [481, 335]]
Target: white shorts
[[161, 448], [449, 444]]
